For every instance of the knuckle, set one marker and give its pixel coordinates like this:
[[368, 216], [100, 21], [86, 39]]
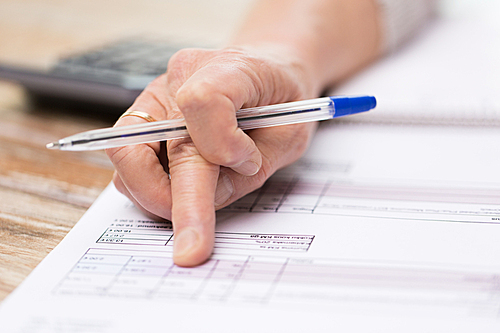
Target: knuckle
[[179, 68], [182, 58], [184, 62], [181, 151], [153, 91], [116, 155], [121, 157], [195, 96]]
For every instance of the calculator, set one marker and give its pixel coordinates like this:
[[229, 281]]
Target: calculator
[[108, 78]]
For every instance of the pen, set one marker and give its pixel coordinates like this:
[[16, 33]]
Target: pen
[[258, 117]]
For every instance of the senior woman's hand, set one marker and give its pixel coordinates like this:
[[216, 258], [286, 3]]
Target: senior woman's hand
[[186, 180]]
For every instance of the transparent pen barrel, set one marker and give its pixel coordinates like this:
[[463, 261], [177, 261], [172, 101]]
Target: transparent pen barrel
[[132, 134], [285, 114], [265, 116]]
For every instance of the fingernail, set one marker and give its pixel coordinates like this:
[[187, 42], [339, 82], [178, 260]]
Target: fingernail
[[247, 168], [185, 241], [224, 189]]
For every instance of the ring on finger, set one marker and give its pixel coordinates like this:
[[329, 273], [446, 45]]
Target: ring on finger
[[140, 114]]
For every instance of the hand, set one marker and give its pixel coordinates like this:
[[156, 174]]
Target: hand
[[186, 180]]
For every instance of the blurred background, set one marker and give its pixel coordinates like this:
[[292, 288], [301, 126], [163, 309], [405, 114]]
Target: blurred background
[[36, 34]]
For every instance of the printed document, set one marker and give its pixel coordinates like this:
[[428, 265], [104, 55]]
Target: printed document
[[376, 229]]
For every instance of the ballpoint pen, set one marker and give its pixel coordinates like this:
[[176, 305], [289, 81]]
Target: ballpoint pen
[[258, 117]]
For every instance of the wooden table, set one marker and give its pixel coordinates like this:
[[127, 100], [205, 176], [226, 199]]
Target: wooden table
[[44, 193]]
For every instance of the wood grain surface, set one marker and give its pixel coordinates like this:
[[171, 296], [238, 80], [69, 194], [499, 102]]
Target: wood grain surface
[[44, 193]]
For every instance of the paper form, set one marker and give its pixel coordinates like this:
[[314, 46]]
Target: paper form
[[393, 229]]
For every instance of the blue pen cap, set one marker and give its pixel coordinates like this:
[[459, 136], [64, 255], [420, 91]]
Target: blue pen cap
[[350, 105]]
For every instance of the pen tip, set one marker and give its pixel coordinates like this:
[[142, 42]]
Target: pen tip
[[52, 145]]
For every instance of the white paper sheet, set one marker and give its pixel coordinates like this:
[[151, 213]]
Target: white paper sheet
[[377, 229]]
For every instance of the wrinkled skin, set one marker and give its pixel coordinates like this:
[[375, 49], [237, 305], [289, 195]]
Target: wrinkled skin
[[186, 180]]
